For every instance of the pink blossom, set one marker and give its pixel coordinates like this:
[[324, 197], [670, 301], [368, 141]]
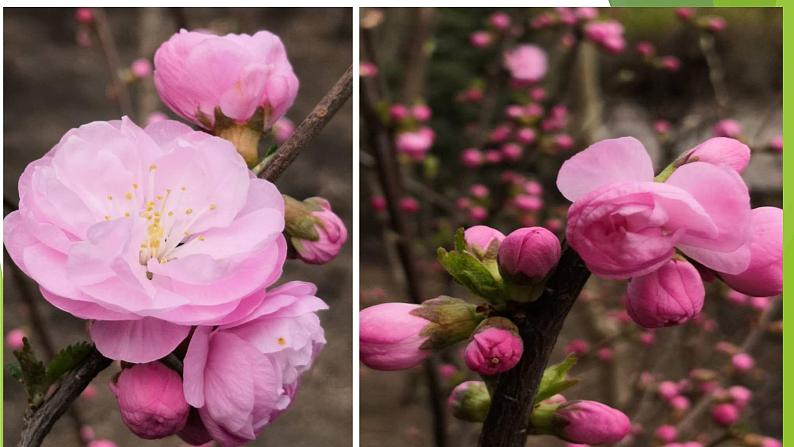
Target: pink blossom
[[150, 400], [87, 433], [512, 151], [623, 224], [716, 24], [241, 376], [590, 422], [554, 224], [666, 433], [409, 205], [685, 14], [478, 213], [645, 48], [378, 203], [563, 141], [493, 156], [526, 63], [479, 191], [759, 303], [14, 338], [500, 134], [367, 69], [514, 111], [668, 390], [770, 442], [493, 350], [537, 93], [578, 347], [740, 395], [671, 295], [526, 135], [662, 127], [390, 336], [727, 128], [671, 63], [480, 39], [197, 72], [721, 151], [531, 252], [447, 371], [283, 129], [605, 354], [533, 187], [764, 276], [737, 297], [84, 15], [725, 414], [585, 13], [680, 403], [141, 68], [331, 235], [421, 112], [471, 158], [102, 443], [463, 203], [534, 110], [89, 392], [742, 362], [607, 34], [146, 231], [499, 21], [416, 143], [398, 112], [647, 338], [526, 202]]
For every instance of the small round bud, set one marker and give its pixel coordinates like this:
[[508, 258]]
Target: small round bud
[[725, 414], [483, 240], [531, 252], [669, 296], [470, 401], [495, 347], [14, 337]]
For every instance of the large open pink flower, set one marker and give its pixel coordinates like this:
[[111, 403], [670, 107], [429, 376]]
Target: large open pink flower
[[197, 72], [146, 231], [624, 224]]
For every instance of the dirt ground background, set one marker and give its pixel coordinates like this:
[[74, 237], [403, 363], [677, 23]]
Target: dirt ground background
[[751, 48], [52, 85]]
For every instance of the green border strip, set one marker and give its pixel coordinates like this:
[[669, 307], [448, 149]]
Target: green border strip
[[788, 226]]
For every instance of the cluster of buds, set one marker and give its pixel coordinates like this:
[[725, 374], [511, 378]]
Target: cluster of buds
[[607, 34], [648, 53], [476, 203], [499, 25], [413, 138], [564, 17]]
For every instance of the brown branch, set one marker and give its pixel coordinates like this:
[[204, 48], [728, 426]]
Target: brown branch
[[417, 55], [112, 58], [39, 422], [271, 168], [539, 324]]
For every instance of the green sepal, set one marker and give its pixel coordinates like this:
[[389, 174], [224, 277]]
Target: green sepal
[[451, 320], [33, 374], [471, 272], [298, 220], [555, 379]]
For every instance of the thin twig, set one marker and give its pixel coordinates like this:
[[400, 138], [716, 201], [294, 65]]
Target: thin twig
[[309, 128], [112, 58]]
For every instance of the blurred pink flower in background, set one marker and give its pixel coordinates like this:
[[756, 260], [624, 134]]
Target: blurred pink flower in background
[[283, 129], [147, 232], [197, 72], [671, 63], [480, 39], [409, 205], [14, 338], [471, 158], [84, 15], [727, 128], [415, 144], [141, 68], [367, 69], [526, 63], [499, 21], [607, 34]]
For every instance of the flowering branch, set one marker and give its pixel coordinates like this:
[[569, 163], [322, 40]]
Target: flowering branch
[[272, 168], [539, 324]]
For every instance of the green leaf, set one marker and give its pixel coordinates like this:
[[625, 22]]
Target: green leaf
[[460, 240], [67, 359], [471, 273], [555, 379], [15, 371], [271, 150], [34, 374]]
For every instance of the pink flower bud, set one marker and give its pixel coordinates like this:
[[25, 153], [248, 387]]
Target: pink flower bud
[[151, 401], [499, 134], [378, 203], [495, 347], [671, 63], [526, 63], [725, 414], [526, 202], [84, 15], [283, 129], [141, 68], [647, 338], [390, 337], [493, 156], [89, 392], [480, 39], [514, 111], [553, 224], [759, 303], [463, 203], [771, 442], [478, 191], [720, 151], [512, 151], [740, 395], [662, 127], [605, 354], [367, 69], [680, 403], [398, 112], [645, 48], [666, 433], [685, 14], [764, 276], [471, 158], [668, 390], [482, 239], [537, 93], [577, 347], [196, 73], [590, 422], [526, 135], [531, 252], [447, 371], [87, 433], [409, 205], [470, 401], [727, 128], [102, 443], [478, 213], [14, 339], [331, 234], [776, 144], [415, 144], [533, 187], [607, 34], [669, 296], [421, 112], [716, 24], [742, 362], [563, 142], [534, 110], [499, 21]]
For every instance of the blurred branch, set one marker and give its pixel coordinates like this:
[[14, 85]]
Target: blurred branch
[[417, 55], [150, 25], [389, 177], [112, 58], [39, 422], [716, 72], [539, 324], [310, 127]]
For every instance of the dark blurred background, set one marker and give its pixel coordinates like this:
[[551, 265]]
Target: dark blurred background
[[632, 97], [52, 84]]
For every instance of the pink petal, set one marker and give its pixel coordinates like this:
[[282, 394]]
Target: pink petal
[[721, 151], [194, 364], [764, 276], [608, 161], [138, 341]]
